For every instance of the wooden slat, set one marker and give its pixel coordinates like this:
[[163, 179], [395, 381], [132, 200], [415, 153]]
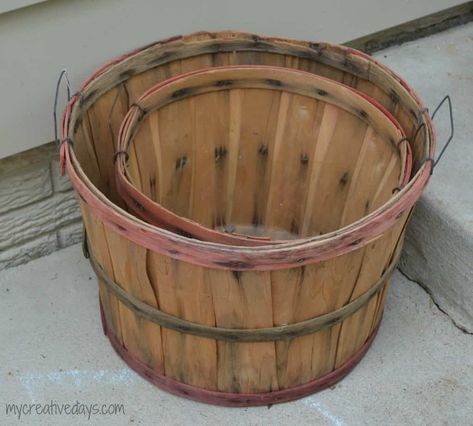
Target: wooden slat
[[363, 197], [183, 291], [277, 160], [292, 164], [174, 155], [111, 106], [336, 171], [210, 147], [144, 165], [244, 301], [259, 111], [140, 336], [85, 150], [327, 129], [285, 291], [319, 289], [376, 256], [233, 154], [99, 247]]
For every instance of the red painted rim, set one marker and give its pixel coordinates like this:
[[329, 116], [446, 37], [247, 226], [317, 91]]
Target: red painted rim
[[229, 399]]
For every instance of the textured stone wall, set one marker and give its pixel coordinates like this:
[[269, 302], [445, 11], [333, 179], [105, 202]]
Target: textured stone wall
[[38, 210]]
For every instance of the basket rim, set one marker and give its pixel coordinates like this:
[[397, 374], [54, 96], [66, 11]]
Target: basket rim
[[155, 213], [221, 256]]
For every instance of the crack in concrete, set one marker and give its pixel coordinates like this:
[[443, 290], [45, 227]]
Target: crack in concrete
[[429, 293]]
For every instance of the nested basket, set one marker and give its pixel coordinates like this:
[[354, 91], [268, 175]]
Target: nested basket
[[228, 324], [257, 151]]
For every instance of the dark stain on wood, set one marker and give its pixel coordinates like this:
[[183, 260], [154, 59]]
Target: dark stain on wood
[[344, 179], [181, 92], [274, 83], [294, 227], [413, 113], [164, 57], [321, 92], [220, 153], [316, 47], [304, 159], [237, 275], [125, 75], [181, 162], [255, 220], [233, 264], [77, 124], [138, 205], [84, 99], [394, 97], [363, 113], [224, 83], [263, 150], [142, 112], [152, 184], [186, 234], [351, 66], [300, 281]]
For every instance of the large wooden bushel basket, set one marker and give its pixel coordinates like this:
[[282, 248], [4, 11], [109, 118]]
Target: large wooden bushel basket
[[231, 324]]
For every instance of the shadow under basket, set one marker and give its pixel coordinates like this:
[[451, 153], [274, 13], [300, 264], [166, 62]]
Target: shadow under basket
[[229, 324], [255, 155]]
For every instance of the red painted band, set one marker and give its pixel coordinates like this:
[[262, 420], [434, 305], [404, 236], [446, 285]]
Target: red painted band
[[218, 256], [230, 399]]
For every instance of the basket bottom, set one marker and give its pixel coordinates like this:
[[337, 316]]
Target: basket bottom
[[230, 399]]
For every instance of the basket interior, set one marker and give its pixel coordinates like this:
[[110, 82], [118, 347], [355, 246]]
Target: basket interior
[[96, 120], [264, 162]]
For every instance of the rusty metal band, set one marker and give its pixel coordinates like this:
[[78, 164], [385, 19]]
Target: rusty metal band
[[283, 332]]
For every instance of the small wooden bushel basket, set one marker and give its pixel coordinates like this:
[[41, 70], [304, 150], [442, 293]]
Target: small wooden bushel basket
[[267, 152]]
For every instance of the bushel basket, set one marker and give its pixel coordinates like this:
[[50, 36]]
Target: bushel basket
[[233, 153], [233, 324]]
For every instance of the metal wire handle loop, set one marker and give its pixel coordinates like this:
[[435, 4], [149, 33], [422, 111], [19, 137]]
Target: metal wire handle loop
[[62, 75], [452, 127]]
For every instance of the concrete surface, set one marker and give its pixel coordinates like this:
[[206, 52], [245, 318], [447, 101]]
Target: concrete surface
[[418, 372], [439, 247]]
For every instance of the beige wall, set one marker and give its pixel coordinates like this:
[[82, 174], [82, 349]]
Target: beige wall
[[9, 5], [37, 41]]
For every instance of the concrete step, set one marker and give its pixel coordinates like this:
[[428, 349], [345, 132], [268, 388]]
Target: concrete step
[[419, 370], [439, 245]]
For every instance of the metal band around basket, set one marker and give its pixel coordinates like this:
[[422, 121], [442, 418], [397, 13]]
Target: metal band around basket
[[283, 332]]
